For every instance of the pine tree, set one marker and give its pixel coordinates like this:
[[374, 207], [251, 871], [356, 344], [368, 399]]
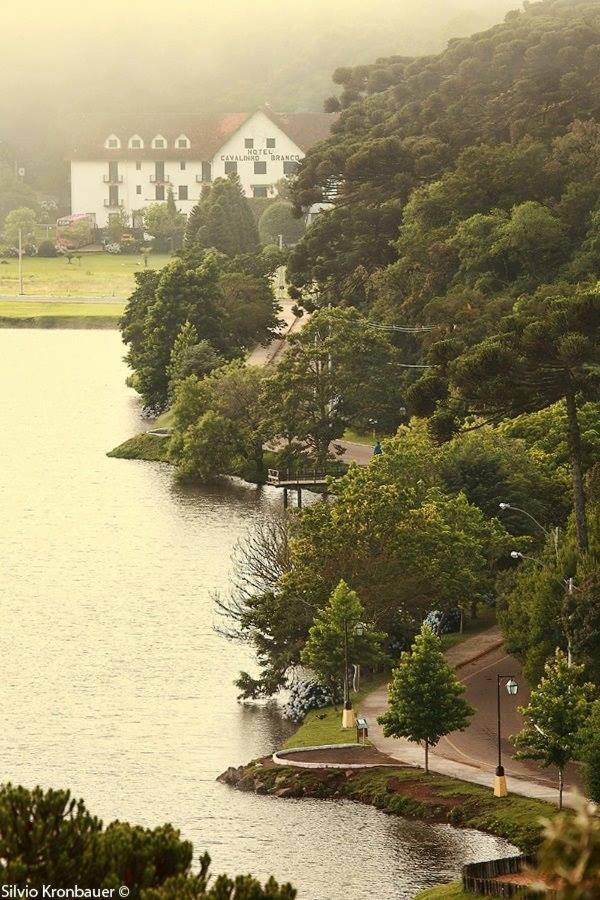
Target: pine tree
[[223, 219], [335, 627], [424, 695], [558, 709]]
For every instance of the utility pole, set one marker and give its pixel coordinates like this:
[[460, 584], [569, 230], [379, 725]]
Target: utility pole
[[20, 262]]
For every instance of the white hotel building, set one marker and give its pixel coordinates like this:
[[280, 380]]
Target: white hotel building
[[135, 164]]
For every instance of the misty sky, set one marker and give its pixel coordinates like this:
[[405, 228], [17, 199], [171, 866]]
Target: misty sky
[[67, 59]]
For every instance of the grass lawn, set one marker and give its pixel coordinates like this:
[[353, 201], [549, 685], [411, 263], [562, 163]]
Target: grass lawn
[[27, 309], [452, 891], [324, 726], [486, 617], [95, 275], [356, 438]]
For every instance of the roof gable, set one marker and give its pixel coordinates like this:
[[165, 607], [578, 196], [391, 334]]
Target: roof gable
[[206, 134]]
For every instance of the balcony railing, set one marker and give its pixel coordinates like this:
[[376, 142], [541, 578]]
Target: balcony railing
[[201, 180], [113, 179], [110, 205], [159, 179]]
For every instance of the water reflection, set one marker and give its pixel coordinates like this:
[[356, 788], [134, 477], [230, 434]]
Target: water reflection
[[115, 683]]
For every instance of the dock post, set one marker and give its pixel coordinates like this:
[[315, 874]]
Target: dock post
[[285, 498], [299, 497]]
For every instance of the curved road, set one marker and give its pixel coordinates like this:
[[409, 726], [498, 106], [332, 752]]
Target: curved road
[[472, 754]]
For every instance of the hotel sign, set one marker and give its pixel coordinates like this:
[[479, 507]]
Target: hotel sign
[[253, 155]]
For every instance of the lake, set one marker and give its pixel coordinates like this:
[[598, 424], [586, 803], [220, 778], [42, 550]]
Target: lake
[[115, 683]]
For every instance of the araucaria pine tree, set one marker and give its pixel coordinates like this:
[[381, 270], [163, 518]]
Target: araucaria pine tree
[[558, 709], [424, 696]]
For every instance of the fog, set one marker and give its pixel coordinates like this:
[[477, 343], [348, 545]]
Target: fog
[[69, 62]]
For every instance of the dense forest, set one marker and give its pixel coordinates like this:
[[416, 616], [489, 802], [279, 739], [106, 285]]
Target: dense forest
[[441, 166]]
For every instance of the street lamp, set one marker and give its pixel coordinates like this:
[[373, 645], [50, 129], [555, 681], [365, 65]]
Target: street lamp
[[500, 779], [348, 717], [555, 531]]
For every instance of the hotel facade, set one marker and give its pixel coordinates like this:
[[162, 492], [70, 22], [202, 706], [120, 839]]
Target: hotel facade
[[133, 165]]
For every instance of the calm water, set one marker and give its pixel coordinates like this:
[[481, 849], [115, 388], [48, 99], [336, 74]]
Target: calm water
[[114, 682]]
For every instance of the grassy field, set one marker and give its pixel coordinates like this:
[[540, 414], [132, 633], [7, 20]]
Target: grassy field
[[95, 275], [324, 726], [452, 891], [485, 619], [26, 309]]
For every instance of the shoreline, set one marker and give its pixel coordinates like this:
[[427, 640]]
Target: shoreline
[[402, 791]]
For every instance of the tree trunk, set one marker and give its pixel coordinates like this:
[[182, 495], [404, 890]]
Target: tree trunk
[[577, 471], [427, 757], [561, 781]]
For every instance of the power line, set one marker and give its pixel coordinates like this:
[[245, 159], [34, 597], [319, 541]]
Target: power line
[[403, 329]]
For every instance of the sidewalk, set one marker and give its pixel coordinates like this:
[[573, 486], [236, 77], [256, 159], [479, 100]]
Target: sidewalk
[[375, 704]]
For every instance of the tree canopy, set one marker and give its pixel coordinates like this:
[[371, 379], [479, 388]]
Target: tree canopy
[[222, 219]]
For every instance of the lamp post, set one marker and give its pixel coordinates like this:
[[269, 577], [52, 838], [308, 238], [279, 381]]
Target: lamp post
[[348, 717], [500, 779], [569, 585], [555, 531]]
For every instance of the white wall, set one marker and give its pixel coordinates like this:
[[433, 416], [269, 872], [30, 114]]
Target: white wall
[[89, 191], [258, 127]]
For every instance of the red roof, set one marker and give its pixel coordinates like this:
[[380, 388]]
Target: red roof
[[206, 134]]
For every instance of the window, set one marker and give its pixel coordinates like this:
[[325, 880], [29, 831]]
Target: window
[[206, 171], [183, 192], [135, 142], [113, 144], [159, 143], [182, 165], [260, 168], [249, 143], [138, 189], [230, 168], [182, 142], [290, 167], [138, 167], [113, 196], [271, 143], [160, 192], [260, 190]]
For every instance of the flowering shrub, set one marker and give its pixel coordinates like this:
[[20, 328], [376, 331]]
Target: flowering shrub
[[306, 694], [112, 248], [443, 622]]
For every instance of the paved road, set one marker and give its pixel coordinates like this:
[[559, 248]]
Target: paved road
[[472, 754]]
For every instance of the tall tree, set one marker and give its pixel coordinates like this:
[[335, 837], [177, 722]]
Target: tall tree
[[547, 350], [222, 219], [334, 631], [424, 696], [557, 711], [336, 371], [19, 220]]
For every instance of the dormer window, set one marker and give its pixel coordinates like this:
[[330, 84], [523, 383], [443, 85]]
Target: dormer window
[[159, 142], [136, 143], [182, 142], [112, 142]]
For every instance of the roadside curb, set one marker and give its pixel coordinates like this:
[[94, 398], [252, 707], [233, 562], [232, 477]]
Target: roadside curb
[[479, 655], [279, 758]]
